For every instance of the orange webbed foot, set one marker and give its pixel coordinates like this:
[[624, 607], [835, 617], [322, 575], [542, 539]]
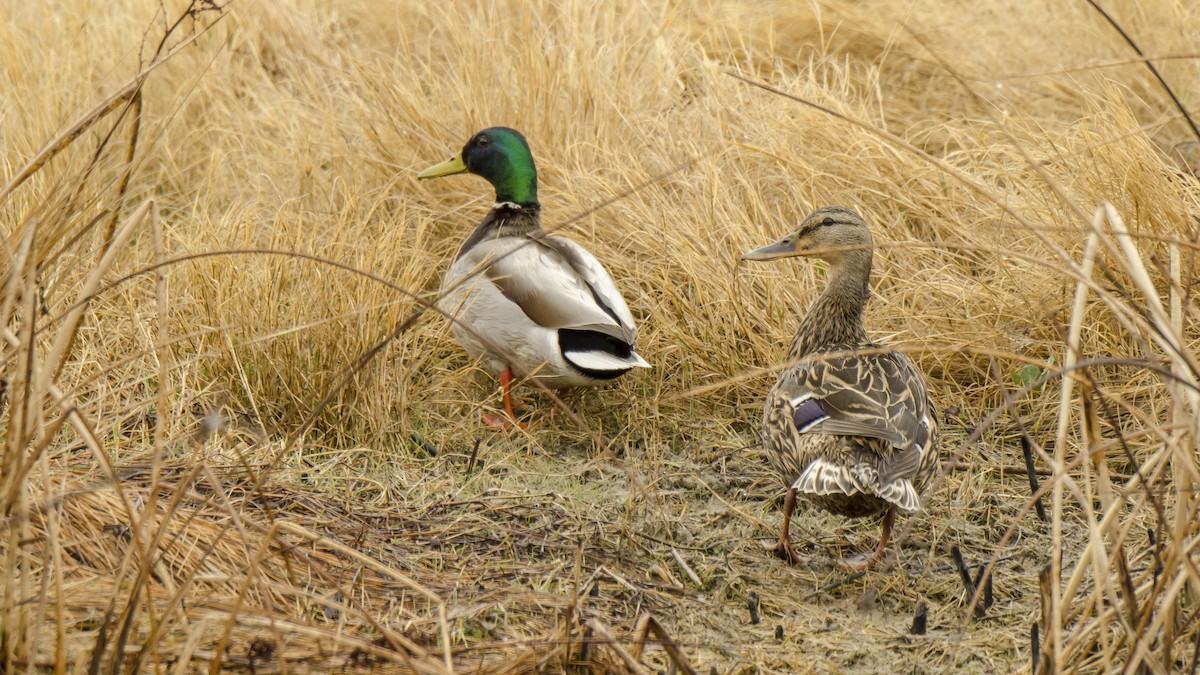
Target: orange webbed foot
[[783, 550]]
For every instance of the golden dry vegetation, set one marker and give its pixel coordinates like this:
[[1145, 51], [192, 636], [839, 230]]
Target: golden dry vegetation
[[234, 438]]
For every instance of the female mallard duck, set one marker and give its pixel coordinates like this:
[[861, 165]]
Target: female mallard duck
[[850, 426], [532, 305]]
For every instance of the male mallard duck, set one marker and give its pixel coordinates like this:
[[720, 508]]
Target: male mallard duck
[[853, 432], [538, 306]]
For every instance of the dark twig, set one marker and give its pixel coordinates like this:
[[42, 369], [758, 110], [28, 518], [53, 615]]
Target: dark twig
[[1027, 444], [474, 455], [1034, 645], [1131, 603], [1156, 548], [920, 620], [1150, 65], [968, 582], [752, 604], [985, 603], [429, 448], [1027, 450]]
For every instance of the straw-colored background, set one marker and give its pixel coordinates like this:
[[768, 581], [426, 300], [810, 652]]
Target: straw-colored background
[[214, 466]]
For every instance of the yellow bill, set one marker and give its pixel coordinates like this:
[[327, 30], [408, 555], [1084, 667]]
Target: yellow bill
[[449, 167]]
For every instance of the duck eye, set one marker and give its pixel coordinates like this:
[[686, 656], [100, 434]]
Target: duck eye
[[482, 140], [827, 222]]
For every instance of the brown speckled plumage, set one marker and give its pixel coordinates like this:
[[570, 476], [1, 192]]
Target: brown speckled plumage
[[849, 426]]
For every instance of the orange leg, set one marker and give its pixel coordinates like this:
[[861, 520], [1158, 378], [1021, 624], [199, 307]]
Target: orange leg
[[783, 547], [506, 378], [506, 386], [861, 563]]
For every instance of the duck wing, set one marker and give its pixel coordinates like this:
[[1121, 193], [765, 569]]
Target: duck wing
[[558, 284], [880, 395]]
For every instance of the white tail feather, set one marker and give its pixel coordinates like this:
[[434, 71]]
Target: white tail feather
[[599, 360], [902, 493], [823, 477], [826, 478]]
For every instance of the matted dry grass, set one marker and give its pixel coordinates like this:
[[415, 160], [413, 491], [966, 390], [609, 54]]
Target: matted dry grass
[[234, 440]]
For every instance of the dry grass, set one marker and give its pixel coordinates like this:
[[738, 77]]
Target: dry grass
[[232, 439]]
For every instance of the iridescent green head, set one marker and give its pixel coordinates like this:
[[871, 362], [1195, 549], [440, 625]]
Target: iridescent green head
[[500, 155]]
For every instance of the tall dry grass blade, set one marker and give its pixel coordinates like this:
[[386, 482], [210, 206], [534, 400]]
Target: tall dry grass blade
[[66, 137], [135, 128], [637, 639], [1186, 398], [189, 648], [1071, 357], [678, 658], [1052, 574], [1072, 354], [17, 261], [70, 134], [1093, 440], [1035, 645], [65, 337], [23, 420], [1183, 443], [130, 613], [57, 578], [14, 459], [54, 574], [162, 354], [1051, 649], [1164, 333]]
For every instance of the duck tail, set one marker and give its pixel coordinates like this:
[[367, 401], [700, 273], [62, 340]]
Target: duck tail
[[823, 477], [597, 355]]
